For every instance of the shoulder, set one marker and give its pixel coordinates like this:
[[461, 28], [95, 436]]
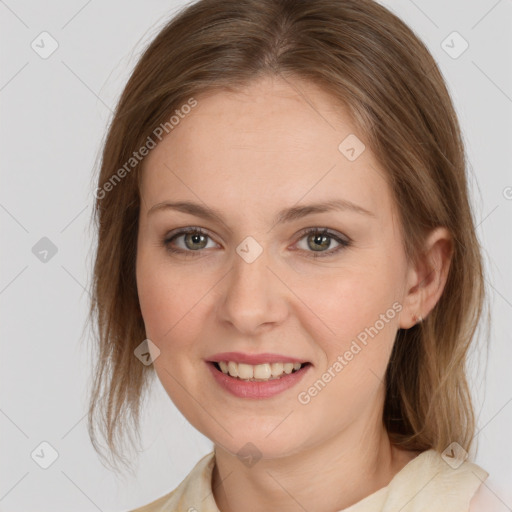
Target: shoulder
[[190, 493], [435, 481], [491, 497]]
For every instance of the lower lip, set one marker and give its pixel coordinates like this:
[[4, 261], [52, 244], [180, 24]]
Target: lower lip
[[255, 389]]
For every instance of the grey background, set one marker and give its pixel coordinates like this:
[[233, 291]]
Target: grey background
[[54, 116]]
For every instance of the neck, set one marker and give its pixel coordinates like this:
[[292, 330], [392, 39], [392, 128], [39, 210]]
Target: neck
[[329, 476]]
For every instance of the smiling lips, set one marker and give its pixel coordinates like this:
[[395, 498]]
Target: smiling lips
[[262, 372], [259, 367], [256, 375]]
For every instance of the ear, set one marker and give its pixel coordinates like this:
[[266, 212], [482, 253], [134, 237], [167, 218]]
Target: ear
[[426, 278]]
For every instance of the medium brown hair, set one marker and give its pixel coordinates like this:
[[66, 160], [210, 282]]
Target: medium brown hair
[[367, 58]]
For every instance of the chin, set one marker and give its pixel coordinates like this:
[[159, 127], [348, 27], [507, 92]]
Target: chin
[[250, 441], [250, 451]]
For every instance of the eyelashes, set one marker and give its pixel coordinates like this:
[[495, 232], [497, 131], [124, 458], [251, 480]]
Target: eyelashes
[[168, 240], [318, 236]]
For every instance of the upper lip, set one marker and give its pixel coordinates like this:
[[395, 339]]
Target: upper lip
[[253, 359]]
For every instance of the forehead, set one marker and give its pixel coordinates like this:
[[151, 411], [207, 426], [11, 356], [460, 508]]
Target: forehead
[[275, 140]]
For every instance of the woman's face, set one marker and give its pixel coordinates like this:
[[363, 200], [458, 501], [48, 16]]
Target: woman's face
[[255, 282]]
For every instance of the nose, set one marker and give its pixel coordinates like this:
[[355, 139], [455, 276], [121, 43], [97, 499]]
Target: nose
[[253, 297]]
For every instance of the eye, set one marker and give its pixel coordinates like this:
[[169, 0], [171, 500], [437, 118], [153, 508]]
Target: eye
[[194, 239], [319, 239]]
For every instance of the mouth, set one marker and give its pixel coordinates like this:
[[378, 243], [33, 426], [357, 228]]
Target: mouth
[[260, 381], [260, 372]]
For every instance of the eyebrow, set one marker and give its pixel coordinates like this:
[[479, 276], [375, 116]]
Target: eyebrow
[[286, 215]]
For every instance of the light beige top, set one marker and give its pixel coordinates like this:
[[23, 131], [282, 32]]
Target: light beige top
[[425, 484]]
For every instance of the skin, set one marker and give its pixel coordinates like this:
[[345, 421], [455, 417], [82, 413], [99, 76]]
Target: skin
[[250, 154]]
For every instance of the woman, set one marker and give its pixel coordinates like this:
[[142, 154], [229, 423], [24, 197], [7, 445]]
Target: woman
[[285, 239]]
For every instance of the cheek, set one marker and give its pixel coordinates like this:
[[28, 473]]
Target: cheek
[[172, 299], [356, 298], [154, 296], [360, 309], [162, 296], [172, 307]]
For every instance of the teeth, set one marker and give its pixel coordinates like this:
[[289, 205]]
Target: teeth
[[265, 371], [232, 369], [245, 371], [277, 369], [262, 371]]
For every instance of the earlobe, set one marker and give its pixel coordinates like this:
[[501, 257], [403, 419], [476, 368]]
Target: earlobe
[[412, 303], [427, 278], [417, 319]]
